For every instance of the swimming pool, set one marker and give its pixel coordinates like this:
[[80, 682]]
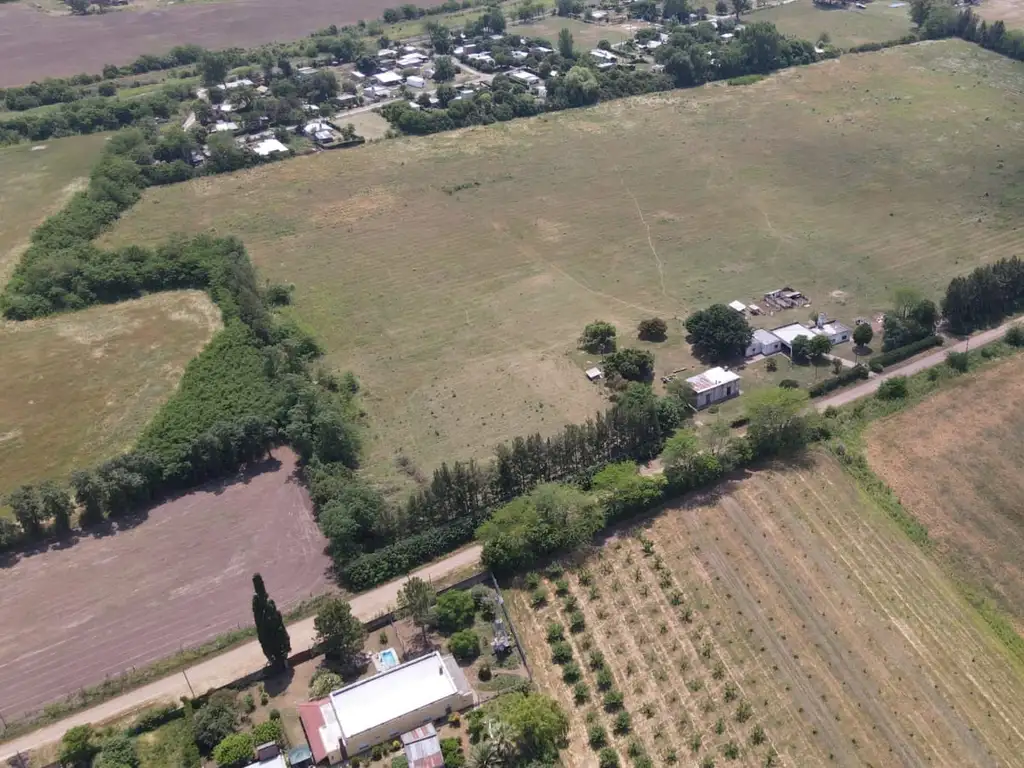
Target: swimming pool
[[387, 659]]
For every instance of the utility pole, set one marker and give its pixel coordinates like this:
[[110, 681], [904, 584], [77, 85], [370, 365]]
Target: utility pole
[[189, 683]]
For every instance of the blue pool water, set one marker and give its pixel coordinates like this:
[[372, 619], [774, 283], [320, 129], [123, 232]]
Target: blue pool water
[[388, 658]]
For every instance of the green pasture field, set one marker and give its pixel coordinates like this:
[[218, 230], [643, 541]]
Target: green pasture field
[[846, 26], [453, 273]]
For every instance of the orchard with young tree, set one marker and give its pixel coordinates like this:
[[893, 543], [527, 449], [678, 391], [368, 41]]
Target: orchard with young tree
[[718, 333]]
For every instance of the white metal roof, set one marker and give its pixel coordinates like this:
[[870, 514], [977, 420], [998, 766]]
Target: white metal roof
[[598, 53], [765, 337], [269, 147], [834, 329], [391, 694], [711, 378], [739, 306], [793, 331], [388, 78]]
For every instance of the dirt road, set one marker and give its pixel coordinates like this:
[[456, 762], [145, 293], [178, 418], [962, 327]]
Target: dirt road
[[232, 665], [938, 357]]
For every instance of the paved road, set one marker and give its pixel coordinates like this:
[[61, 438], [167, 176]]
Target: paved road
[[938, 357], [236, 663]]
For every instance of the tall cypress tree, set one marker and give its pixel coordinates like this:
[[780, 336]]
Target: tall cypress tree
[[270, 627]]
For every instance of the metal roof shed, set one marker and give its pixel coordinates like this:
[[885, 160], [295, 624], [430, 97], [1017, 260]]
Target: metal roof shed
[[423, 748]]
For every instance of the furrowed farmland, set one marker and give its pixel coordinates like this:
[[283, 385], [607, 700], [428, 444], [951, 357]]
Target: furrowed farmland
[[453, 274], [782, 620], [954, 461]]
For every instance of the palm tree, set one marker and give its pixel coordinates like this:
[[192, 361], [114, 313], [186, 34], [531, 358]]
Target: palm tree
[[483, 756], [504, 741]]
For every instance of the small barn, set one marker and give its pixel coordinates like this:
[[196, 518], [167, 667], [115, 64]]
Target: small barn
[[763, 343], [713, 386]]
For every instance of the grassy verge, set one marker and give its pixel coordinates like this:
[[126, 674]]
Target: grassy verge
[[847, 444]]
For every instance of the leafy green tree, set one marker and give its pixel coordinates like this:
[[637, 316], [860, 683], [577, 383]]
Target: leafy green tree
[[598, 337], [444, 69], [631, 364], [721, 7], [234, 750], [775, 421], [89, 493], [566, 7], [819, 346], [654, 329], [624, 492], [416, 600], [740, 6], [800, 348], [538, 722], [79, 7], [445, 94], [581, 86], [55, 504], [464, 645], [270, 628], [863, 334], [455, 610], [894, 388], [678, 10], [77, 747], [919, 11], [565, 43], [440, 38], [213, 68], [718, 332], [24, 502], [339, 633], [217, 719], [118, 751], [268, 731]]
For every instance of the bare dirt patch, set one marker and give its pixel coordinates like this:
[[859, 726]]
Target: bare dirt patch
[[178, 577], [35, 45], [954, 461], [788, 591]]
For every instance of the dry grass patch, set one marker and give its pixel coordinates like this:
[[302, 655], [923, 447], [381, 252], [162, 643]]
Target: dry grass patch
[[76, 389], [788, 591], [453, 273], [954, 460]]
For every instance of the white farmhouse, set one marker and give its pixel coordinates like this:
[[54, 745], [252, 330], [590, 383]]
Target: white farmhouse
[[763, 343], [713, 386]]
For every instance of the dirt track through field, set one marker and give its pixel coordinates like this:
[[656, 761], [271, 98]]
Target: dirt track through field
[[35, 45], [106, 604]]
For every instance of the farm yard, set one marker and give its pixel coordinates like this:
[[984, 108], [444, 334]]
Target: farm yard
[[176, 577], [499, 267], [846, 27], [783, 614], [78, 389], [953, 460]]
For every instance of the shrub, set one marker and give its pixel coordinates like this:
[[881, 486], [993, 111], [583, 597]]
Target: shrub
[[451, 751], [234, 749], [484, 673], [538, 597], [596, 736], [875, 366], [909, 350], [1014, 336], [324, 681], [264, 698], [556, 632], [958, 361], [577, 622], [789, 384], [561, 587], [377, 753], [604, 679], [654, 329], [399, 761], [571, 603], [268, 731], [631, 364], [848, 376], [561, 652], [745, 80], [275, 714], [758, 736], [571, 673], [894, 388], [455, 610], [596, 660], [623, 723], [555, 570], [455, 719], [598, 337], [731, 750], [608, 758], [580, 693], [532, 580], [215, 721], [771, 365], [249, 703], [744, 712], [118, 752], [612, 700], [464, 645]]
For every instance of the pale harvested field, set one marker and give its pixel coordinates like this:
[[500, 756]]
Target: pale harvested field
[[453, 273], [955, 462], [35, 181], [848, 642], [846, 26], [1009, 11], [76, 389]]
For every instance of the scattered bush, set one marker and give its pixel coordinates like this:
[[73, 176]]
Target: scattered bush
[[561, 652], [731, 750], [555, 632], [399, 761], [654, 329], [538, 597], [623, 723], [608, 758], [894, 388], [275, 714], [596, 660], [612, 700], [268, 731], [789, 384], [744, 712], [580, 693], [532, 580], [451, 751], [377, 753], [604, 679], [577, 622], [454, 610], [324, 681], [571, 673], [236, 749], [958, 361], [464, 645], [484, 673], [561, 587], [1014, 336], [596, 736], [875, 366], [249, 704], [758, 736], [771, 365]]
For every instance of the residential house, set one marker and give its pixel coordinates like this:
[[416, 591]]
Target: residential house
[[713, 386], [763, 343]]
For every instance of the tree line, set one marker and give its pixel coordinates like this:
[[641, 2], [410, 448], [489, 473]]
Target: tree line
[[254, 386], [989, 294]]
